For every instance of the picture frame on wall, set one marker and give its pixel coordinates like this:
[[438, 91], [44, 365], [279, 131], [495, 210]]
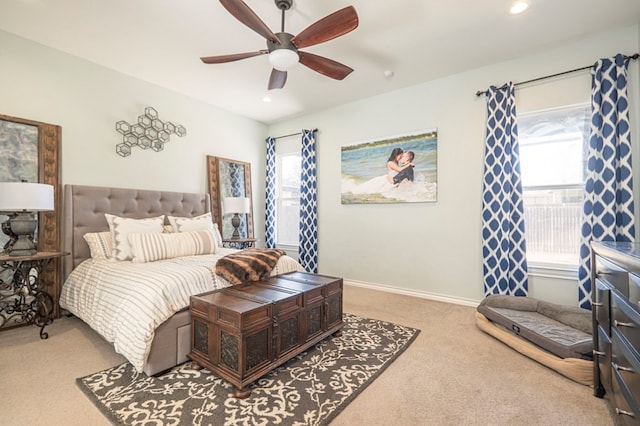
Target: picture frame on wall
[[397, 169]]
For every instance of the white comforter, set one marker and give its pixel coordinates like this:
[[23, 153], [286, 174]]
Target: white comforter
[[125, 301]]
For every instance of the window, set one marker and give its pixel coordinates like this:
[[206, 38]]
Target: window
[[288, 172], [553, 147]]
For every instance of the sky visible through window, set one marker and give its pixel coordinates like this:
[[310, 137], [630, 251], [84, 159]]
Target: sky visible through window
[[288, 199], [553, 147]]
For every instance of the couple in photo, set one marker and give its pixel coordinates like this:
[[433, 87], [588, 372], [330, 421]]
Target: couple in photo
[[400, 166]]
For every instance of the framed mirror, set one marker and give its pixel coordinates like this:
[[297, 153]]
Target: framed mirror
[[230, 178], [31, 152]]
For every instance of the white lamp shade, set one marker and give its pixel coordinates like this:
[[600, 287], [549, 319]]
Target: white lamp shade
[[236, 205], [25, 196], [283, 59]]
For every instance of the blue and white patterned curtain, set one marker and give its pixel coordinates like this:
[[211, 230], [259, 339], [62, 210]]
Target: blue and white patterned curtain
[[608, 197], [270, 195], [308, 239], [504, 261]]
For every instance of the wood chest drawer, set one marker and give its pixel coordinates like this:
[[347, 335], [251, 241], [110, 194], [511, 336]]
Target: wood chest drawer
[[634, 290], [602, 359], [612, 274], [616, 320], [625, 319], [602, 305], [625, 365]]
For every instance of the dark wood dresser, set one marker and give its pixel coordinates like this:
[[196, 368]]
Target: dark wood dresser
[[244, 331], [616, 325]]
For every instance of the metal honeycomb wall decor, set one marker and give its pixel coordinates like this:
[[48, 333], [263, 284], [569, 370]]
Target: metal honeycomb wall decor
[[148, 132]]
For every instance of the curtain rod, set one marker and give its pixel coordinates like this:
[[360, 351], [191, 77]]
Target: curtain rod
[[484, 92], [292, 134]]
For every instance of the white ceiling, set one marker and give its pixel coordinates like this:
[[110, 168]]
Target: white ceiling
[[161, 41]]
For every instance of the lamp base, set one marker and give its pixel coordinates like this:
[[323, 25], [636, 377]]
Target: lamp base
[[23, 225], [235, 221]]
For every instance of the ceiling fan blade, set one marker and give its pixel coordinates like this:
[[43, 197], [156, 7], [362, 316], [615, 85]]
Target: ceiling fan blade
[[221, 59], [244, 14], [331, 26], [277, 79], [324, 66]]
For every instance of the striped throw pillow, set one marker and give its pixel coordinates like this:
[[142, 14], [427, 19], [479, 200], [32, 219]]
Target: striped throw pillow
[[151, 247], [99, 244]]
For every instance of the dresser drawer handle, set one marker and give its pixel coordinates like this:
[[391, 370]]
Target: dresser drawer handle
[[621, 368], [599, 353], [596, 304], [622, 324], [626, 413]]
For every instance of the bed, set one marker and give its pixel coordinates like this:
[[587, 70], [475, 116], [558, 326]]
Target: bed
[[139, 307]]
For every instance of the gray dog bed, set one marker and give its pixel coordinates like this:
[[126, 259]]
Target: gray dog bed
[[554, 335]]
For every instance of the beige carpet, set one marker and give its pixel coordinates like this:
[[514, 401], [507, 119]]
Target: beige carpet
[[452, 374]]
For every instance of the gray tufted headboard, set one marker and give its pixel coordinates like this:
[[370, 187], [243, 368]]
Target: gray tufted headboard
[[85, 206]]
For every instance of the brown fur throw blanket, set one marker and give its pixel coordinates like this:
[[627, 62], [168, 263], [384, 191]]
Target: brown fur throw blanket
[[252, 264]]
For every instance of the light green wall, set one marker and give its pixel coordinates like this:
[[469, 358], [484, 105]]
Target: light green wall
[[431, 249], [434, 249], [43, 84]]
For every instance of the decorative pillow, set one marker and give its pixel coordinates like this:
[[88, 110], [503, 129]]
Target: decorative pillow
[[202, 222], [186, 224], [121, 227], [152, 247], [99, 244], [217, 235]]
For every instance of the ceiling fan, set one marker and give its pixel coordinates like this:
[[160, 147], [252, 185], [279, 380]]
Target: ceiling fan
[[282, 47]]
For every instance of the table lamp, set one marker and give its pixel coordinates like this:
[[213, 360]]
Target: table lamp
[[237, 206], [19, 200]]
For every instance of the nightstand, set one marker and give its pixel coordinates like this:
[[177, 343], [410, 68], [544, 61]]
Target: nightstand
[[239, 243], [23, 299]]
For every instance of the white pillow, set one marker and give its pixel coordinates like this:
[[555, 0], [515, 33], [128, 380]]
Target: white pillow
[[121, 227], [100, 244], [186, 224], [152, 247], [217, 235], [202, 222]]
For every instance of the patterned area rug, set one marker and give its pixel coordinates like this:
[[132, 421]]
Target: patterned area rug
[[310, 389]]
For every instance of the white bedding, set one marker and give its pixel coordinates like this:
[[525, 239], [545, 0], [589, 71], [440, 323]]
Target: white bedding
[[125, 301]]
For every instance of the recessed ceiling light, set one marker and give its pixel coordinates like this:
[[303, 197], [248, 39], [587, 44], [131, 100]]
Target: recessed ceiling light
[[518, 7], [266, 99]]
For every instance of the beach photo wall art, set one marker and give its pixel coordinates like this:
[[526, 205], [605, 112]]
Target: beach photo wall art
[[398, 169]]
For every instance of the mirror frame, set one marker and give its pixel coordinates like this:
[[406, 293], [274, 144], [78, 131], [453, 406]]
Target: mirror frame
[[49, 223], [213, 183]]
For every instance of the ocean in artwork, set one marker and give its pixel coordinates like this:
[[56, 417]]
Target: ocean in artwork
[[364, 170]]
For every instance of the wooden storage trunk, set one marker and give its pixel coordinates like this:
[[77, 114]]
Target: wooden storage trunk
[[243, 332]]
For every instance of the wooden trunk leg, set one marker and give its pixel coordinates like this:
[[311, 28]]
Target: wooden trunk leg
[[195, 366], [337, 333], [241, 393]]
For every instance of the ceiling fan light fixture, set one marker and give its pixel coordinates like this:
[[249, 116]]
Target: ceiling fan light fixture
[[283, 59]]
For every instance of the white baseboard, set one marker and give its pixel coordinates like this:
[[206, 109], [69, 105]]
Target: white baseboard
[[414, 293]]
